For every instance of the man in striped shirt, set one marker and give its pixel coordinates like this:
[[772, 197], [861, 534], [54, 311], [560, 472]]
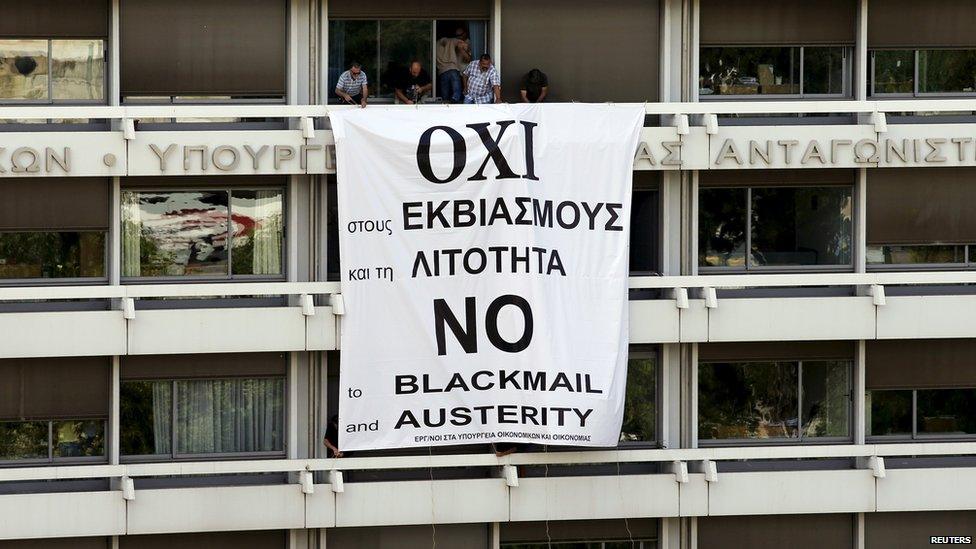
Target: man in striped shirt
[[352, 86], [481, 82]]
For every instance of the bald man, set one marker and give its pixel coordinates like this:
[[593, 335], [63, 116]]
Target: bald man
[[414, 85]]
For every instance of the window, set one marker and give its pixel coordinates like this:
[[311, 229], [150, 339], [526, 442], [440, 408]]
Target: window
[[640, 418], [206, 416], [617, 544], [52, 254], [788, 227], [386, 47], [921, 413], [53, 410], [922, 255], [52, 71], [224, 233], [774, 70], [923, 72], [581, 534], [774, 400], [645, 230]]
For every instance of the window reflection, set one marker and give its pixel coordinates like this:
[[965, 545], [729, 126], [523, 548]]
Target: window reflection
[[146, 412], [24, 69], [722, 227], [926, 254], [84, 438], [63, 254], [773, 70], [890, 413], [894, 71], [946, 412], [747, 400], [639, 407], [947, 71], [195, 233], [826, 398], [231, 415], [78, 69], [23, 440], [801, 226]]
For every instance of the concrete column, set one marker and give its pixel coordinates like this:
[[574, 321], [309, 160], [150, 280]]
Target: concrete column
[[861, 66], [496, 34], [114, 84]]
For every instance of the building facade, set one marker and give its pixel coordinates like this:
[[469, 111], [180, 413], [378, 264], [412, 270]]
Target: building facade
[[802, 258]]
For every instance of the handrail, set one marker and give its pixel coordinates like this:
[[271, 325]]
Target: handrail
[[137, 291], [596, 457], [135, 112]]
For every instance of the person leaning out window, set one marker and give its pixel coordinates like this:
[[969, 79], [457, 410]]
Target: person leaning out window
[[481, 82], [414, 85], [353, 86], [535, 87]]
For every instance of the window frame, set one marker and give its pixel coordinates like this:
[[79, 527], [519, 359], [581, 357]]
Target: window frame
[[800, 440], [915, 436], [749, 267], [231, 277], [653, 352], [848, 83], [174, 455], [968, 263], [915, 76], [375, 82], [50, 79], [51, 459]]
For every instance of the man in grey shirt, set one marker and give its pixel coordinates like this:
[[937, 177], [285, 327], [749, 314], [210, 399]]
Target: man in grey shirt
[[353, 86]]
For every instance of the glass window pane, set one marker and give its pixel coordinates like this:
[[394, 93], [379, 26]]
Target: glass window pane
[[52, 255], [258, 231], [146, 417], [916, 255], [78, 69], [23, 440], [352, 41], [23, 70], [639, 412], [890, 413], [826, 399], [823, 70], [947, 412], [722, 227], [749, 71], [894, 71], [946, 71], [230, 415], [402, 41], [174, 233], [747, 400], [801, 226], [79, 438], [644, 232]]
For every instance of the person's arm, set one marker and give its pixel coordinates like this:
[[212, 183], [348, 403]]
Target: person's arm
[[426, 88], [498, 93], [365, 95], [525, 95], [464, 81], [464, 51], [542, 94], [330, 446], [402, 96], [345, 96]]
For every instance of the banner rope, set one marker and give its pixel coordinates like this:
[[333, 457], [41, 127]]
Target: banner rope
[[545, 448]]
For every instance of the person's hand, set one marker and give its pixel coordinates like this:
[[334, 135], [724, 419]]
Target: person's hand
[[408, 102], [337, 454], [363, 103]]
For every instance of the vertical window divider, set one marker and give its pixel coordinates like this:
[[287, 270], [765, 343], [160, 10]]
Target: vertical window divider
[[802, 88], [914, 414], [799, 401], [915, 84], [172, 427], [230, 230], [433, 59], [50, 440], [748, 250], [50, 72]]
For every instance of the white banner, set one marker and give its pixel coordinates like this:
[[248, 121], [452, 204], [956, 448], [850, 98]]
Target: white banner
[[484, 273]]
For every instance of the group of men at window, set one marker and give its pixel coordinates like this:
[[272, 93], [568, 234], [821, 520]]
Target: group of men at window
[[460, 78]]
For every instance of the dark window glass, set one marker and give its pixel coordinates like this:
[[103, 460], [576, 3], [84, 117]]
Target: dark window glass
[[749, 71], [146, 417], [79, 438], [353, 41], [916, 255], [644, 232], [894, 71], [639, 408], [52, 255], [258, 231], [755, 400], [189, 233], [722, 227], [824, 70], [400, 43], [230, 415], [332, 230], [946, 71], [635, 544], [946, 412], [826, 399], [801, 226], [891, 413], [23, 440]]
